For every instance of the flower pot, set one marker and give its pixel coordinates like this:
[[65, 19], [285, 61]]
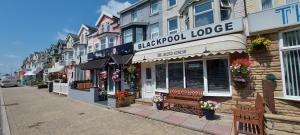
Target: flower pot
[[209, 114], [159, 105]]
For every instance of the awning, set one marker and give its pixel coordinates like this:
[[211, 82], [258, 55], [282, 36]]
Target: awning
[[217, 45], [29, 73], [56, 69], [121, 59], [94, 64]]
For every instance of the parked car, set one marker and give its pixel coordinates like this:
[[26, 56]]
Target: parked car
[[8, 81]]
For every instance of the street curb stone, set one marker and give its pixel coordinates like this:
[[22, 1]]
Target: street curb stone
[[5, 124]]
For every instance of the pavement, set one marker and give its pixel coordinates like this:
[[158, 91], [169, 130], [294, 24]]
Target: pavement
[[221, 125], [36, 112]]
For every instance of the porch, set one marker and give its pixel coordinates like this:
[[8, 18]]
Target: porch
[[221, 125]]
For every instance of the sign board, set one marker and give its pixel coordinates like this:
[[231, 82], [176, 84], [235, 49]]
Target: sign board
[[225, 27], [279, 17]]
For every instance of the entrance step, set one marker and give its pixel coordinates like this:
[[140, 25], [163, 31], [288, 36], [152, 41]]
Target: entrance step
[[144, 101]]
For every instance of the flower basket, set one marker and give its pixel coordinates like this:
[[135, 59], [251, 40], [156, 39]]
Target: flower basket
[[240, 70], [116, 76], [157, 99], [259, 45], [123, 99], [209, 108]]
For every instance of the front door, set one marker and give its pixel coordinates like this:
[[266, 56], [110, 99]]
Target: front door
[[148, 81]]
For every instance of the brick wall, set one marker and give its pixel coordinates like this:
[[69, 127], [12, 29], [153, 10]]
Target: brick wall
[[281, 125]]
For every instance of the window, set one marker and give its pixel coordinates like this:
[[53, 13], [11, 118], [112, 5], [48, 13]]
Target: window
[[81, 51], [108, 27], [90, 49], [102, 28], [160, 73], [103, 44], [173, 25], [111, 42], [225, 8], [203, 14], [217, 76], [71, 55], [194, 74], [291, 1], [98, 46], [154, 8], [128, 36], [290, 52], [154, 31], [266, 4], [134, 16], [148, 73], [139, 34], [171, 3], [187, 21], [175, 75]]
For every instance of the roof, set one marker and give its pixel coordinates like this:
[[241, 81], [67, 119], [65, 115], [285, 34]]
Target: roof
[[137, 4], [87, 27], [103, 13], [72, 35], [134, 23]]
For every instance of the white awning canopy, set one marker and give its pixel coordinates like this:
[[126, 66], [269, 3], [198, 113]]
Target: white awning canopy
[[217, 45], [29, 73], [56, 69]]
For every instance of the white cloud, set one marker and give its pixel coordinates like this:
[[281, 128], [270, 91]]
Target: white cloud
[[113, 7], [11, 56], [62, 34]]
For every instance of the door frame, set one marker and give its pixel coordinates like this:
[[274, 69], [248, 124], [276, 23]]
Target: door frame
[[144, 80]]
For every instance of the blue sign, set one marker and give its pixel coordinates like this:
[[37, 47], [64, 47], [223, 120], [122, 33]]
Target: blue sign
[[286, 12]]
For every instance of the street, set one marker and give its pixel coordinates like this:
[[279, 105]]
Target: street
[[36, 112]]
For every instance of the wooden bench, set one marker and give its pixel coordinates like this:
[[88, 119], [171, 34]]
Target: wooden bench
[[184, 97], [249, 118]]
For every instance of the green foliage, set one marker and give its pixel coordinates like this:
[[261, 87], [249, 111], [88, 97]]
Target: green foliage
[[259, 43]]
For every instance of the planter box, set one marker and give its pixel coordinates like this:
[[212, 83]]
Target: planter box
[[114, 102]]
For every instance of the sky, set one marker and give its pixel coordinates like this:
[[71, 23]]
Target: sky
[[33, 25]]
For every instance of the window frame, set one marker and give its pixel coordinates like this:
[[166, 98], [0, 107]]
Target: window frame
[[105, 43], [178, 25], [130, 34], [168, 2], [155, 31], [109, 42], [272, 2], [281, 50], [151, 11], [134, 17], [203, 12], [205, 81]]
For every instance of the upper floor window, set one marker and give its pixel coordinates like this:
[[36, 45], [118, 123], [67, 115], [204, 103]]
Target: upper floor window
[[154, 8], [139, 35], [173, 25], [266, 4], [291, 1], [90, 49], [225, 8], [171, 3], [81, 51], [103, 43], [187, 21], [102, 28], [127, 36], [290, 50], [71, 55], [97, 45], [154, 31], [203, 14], [134, 16], [111, 42], [108, 27]]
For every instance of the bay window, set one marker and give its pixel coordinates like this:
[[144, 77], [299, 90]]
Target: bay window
[[211, 75], [203, 14], [71, 55], [154, 31], [98, 46], [175, 75], [173, 25], [90, 49], [290, 55], [127, 36], [111, 42], [225, 7], [81, 51], [139, 35], [103, 43], [134, 16]]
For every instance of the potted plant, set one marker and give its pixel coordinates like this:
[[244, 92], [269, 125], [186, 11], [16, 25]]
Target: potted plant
[[240, 70], [209, 108], [157, 99], [116, 76], [122, 98], [102, 95], [259, 43]]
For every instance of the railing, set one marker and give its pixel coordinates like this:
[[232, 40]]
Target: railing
[[120, 49], [61, 88]]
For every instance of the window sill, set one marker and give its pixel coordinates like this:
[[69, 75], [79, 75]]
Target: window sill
[[154, 14], [217, 94], [288, 98], [169, 8]]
